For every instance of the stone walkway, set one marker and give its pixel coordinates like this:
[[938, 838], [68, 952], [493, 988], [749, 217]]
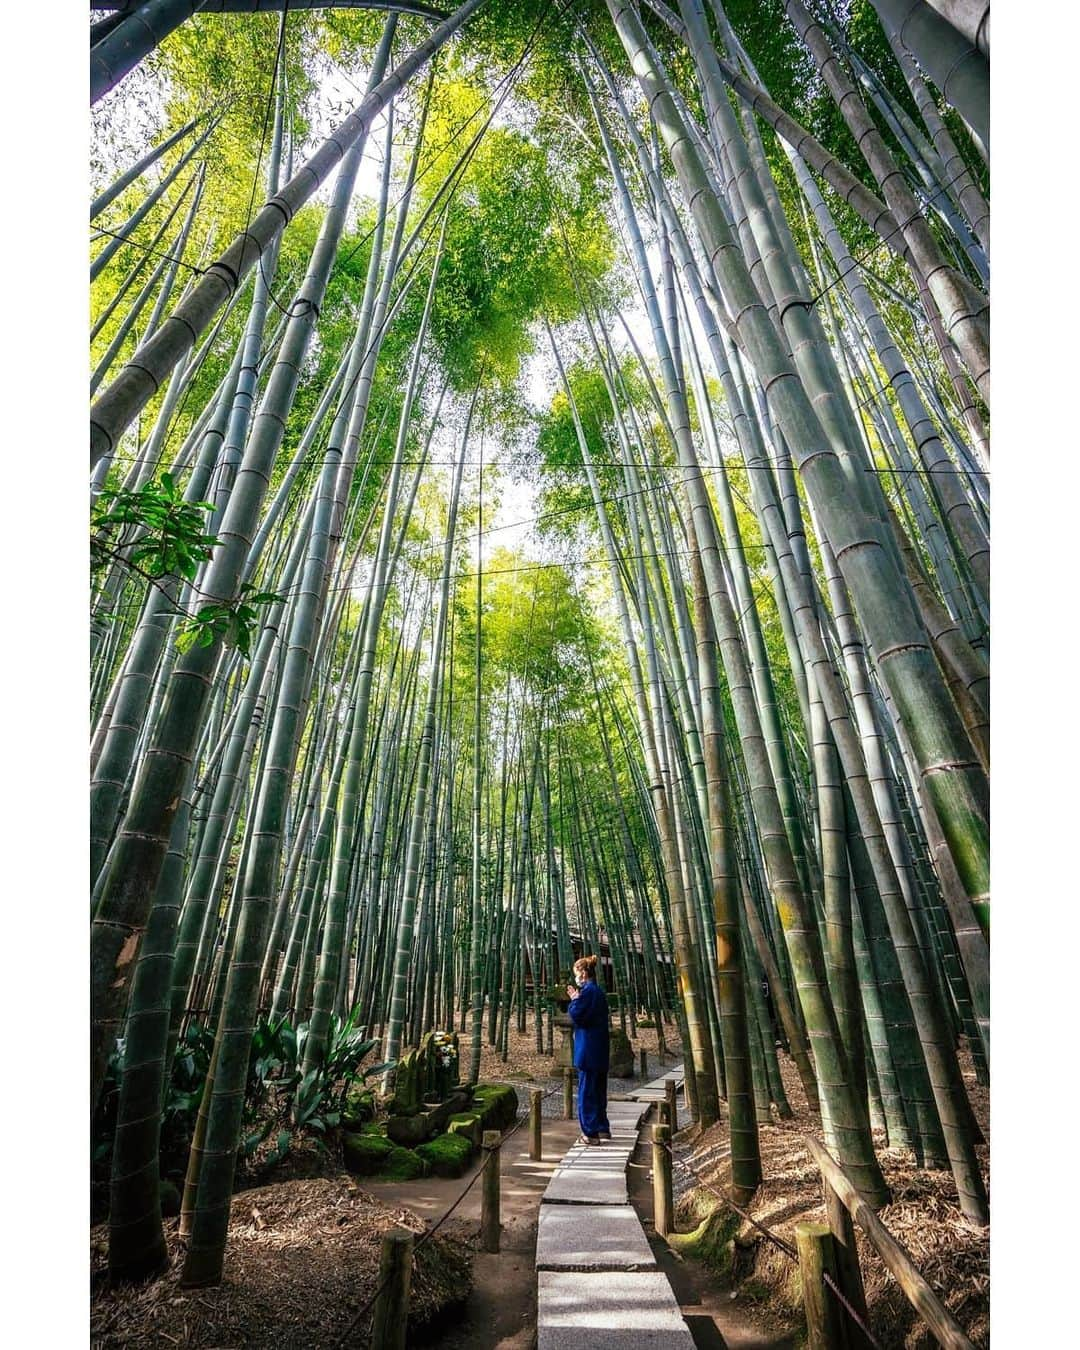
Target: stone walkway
[[552, 1106], [598, 1286], [656, 1091]]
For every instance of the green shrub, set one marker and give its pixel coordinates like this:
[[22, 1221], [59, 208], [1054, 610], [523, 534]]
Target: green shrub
[[447, 1154], [359, 1108]]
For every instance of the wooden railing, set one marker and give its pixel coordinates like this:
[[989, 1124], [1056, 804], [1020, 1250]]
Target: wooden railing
[[844, 1204], [832, 1289]]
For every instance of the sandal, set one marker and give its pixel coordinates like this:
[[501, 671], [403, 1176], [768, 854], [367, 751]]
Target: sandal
[[588, 1139]]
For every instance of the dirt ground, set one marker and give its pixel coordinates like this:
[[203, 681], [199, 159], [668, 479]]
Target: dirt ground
[[952, 1253], [303, 1250], [302, 1263]]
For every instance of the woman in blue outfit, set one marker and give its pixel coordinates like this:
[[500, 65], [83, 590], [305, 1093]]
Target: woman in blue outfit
[[592, 1042]]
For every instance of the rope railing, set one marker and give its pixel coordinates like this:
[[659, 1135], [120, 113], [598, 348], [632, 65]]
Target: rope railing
[[434, 1228], [913, 1285], [779, 1243]]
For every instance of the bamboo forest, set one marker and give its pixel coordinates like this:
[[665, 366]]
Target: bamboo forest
[[539, 564]]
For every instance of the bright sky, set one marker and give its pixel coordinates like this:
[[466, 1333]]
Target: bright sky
[[512, 526]]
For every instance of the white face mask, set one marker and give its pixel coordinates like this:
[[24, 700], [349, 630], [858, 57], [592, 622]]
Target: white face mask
[[580, 978]]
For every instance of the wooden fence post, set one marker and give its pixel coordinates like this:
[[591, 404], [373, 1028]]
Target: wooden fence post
[[663, 1197], [897, 1259], [489, 1210], [568, 1094], [536, 1096], [670, 1088], [644, 1064], [392, 1303], [848, 1274], [824, 1329]]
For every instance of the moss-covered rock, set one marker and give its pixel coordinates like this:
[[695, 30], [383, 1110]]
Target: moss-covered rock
[[496, 1103], [712, 1241], [403, 1164], [466, 1123], [368, 1153], [365, 1154], [447, 1154]]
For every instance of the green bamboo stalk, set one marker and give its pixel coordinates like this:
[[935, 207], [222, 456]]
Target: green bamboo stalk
[[403, 954], [150, 366]]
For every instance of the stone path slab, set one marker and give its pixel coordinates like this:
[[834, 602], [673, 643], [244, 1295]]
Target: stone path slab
[[622, 1142], [624, 1110], [611, 1156], [656, 1091], [625, 1122], [598, 1286], [615, 1310], [578, 1184], [591, 1238]]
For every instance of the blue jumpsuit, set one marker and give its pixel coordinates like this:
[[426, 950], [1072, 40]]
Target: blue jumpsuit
[[589, 1014]]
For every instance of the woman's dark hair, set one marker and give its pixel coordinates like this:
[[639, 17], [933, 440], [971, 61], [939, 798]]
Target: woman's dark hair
[[588, 965]]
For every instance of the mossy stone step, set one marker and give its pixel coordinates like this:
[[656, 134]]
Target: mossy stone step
[[448, 1155], [496, 1103], [365, 1154], [467, 1123], [415, 1129]]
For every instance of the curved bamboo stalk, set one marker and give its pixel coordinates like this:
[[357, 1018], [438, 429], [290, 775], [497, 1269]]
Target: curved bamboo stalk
[[106, 198], [159, 784], [964, 311], [144, 374], [956, 65]]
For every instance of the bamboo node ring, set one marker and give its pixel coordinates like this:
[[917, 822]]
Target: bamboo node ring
[[900, 647], [796, 302], [861, 543]]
